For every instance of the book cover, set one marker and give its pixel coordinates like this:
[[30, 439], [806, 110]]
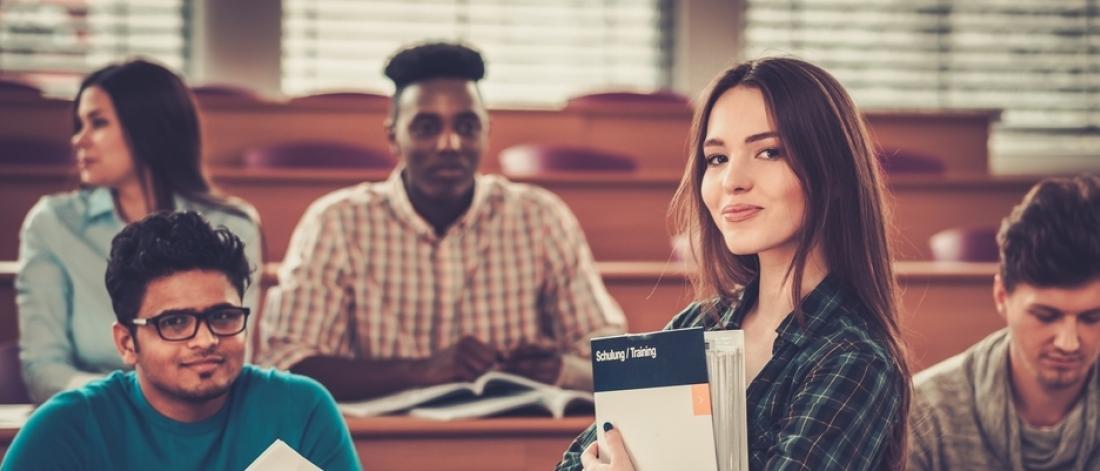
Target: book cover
[[653, 387], [281, 457]]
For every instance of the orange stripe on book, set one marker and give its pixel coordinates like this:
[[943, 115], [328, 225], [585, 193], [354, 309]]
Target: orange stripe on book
[[700, 399]]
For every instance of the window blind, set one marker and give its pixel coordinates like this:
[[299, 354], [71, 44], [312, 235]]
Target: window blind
[[537, 52], [1037, 60], [57, 42]]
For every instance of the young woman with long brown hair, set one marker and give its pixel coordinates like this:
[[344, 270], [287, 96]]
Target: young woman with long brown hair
[[783, 201], [138, 150]]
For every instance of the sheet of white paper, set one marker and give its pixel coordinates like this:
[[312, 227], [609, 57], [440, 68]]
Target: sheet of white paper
[[14, 415], [281, 457]]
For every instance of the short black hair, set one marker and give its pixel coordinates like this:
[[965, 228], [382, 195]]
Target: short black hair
[[434, 60], [163, 244], [1050, 239]]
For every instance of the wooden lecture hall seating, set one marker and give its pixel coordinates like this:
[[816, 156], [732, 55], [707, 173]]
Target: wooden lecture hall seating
[[623, 214], [946, 306], [935, 294]]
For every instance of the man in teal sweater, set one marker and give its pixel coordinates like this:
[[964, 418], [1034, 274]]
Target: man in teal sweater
[[190, 403]]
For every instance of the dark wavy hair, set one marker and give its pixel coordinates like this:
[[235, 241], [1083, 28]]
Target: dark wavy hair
[[1052, 238], [846, 212], [166, 243], [432, 60], [159, 120]]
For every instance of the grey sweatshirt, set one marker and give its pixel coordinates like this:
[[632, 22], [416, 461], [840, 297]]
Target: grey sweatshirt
[[963, 416]]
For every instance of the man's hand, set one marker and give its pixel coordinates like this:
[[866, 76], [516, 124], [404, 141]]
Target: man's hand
[[615, 453], [463, 361], [538, 361]]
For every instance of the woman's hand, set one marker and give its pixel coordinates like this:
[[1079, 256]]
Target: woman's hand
[[615, 452]]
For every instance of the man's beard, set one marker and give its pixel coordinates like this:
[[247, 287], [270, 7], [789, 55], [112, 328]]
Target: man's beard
[[204, 393], [1056, 381]]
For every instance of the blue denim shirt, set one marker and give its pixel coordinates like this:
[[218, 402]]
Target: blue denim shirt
[[65, 314]]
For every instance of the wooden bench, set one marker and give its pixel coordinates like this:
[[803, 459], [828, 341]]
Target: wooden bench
[[623, 216], [655, 135], [946, 306], [409, 444]]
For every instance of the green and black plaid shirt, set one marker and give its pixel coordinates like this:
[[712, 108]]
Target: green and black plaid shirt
[[828, 398]]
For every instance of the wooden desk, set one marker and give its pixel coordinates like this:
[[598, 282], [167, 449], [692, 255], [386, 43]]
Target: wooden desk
[[624, 217], [655, 135], [505, 444], [408, 444], [946, 307]]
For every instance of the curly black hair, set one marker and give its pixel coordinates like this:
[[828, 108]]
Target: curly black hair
[[434, 60], [166, 243], [1050, 238]]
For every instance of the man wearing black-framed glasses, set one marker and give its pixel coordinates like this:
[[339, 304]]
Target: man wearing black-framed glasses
[[190, 402], [223, 320]]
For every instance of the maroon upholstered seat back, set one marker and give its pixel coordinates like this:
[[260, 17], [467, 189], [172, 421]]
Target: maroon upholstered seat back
[[35, 151], [965, 244], [661, 98], [317, 154], [897, 161], [524, 160], [225, 93], [16, 87], [341, 98]]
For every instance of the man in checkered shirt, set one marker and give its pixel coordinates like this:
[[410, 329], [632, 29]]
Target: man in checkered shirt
[[437, 274]]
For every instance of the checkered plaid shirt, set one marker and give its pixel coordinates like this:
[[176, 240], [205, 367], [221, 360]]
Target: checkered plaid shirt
[[828, 398], [365, 277]]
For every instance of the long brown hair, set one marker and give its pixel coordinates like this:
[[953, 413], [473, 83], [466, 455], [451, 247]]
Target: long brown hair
[[159, 119], [830, 151]]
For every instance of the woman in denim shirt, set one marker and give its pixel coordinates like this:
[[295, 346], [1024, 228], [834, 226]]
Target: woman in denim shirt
[[784, 205], [137, 145]]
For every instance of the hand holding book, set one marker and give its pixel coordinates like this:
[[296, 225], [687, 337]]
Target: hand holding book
[[679, 396], [614, 453]]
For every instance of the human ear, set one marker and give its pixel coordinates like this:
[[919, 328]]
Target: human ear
[[1000, 296], [125, 344]]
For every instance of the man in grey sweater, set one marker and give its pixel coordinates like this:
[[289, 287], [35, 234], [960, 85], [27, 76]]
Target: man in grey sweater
[[1028, 396]]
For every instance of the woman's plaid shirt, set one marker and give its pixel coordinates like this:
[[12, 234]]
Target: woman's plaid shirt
[[828, 398]]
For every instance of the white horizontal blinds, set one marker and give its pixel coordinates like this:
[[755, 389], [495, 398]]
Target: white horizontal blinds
[[537, 51], [71, 38], [1037, 60]]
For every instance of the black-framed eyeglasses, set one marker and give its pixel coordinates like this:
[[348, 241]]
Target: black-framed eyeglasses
[[179, 325]]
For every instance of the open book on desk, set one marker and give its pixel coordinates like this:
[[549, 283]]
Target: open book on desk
[[492, 393]]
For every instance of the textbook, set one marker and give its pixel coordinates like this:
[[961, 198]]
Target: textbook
[[492, 393], [728, 397], [281, 457], [654, 389]]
